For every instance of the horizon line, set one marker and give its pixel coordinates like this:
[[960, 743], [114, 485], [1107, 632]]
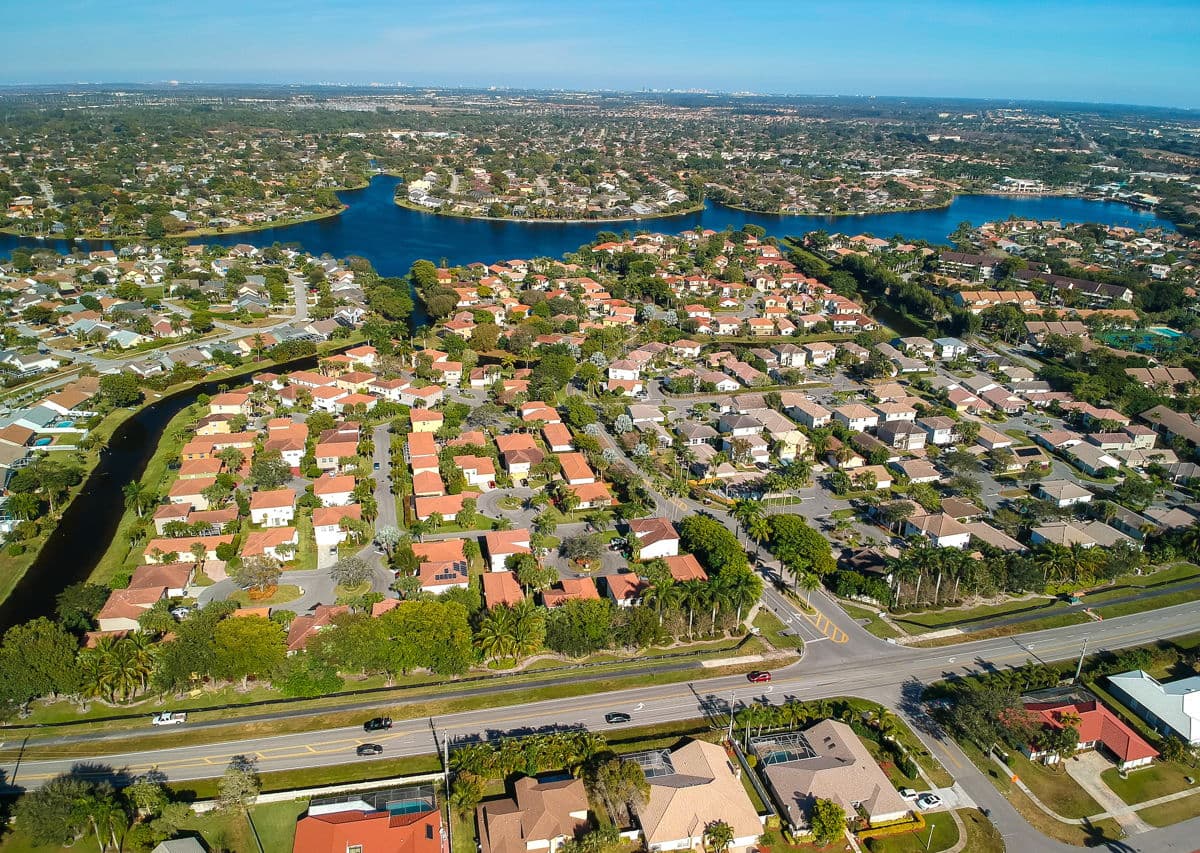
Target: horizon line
[[742, 93]]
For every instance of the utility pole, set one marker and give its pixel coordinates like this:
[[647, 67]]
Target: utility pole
[[730, 734], [1083, 651]]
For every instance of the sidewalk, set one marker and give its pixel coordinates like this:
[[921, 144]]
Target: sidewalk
[[1118, 809]]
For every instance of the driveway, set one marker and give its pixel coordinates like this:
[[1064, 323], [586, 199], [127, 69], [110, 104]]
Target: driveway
[[1085, 768]]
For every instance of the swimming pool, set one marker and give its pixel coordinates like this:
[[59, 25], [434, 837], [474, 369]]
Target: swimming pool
[[64, 424], [404, 807], [42, 442], [1165, 331]]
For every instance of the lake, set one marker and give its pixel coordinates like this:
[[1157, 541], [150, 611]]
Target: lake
[[392, 237]]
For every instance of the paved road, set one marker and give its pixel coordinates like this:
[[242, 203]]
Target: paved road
[[828, 669]]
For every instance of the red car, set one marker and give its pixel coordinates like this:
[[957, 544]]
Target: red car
[[759, 677]]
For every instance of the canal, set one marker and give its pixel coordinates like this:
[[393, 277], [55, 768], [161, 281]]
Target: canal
[[88, 525]]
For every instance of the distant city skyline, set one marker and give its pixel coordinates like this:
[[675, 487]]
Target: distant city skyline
[[1103, 52]]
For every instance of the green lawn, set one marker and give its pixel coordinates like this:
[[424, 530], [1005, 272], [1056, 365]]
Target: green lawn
[[1038, 819], [874, 624], [1054, 787], [1169, 813], [1148, 783], [772, 630], [275, 822], [933, 620], [939, 834], [284, 593]]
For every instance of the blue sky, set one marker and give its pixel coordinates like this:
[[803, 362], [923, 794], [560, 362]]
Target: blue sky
[[1116, 52]]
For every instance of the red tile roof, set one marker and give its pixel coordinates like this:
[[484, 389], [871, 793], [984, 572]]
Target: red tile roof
[[341, 831], [1097, 723]]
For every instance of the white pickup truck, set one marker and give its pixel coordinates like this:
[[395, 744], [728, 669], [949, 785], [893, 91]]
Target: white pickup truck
[[167, 718]]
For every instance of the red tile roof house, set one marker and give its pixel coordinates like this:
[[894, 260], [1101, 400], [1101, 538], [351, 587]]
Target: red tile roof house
[[518, 452], [277, 542], [625, 589], [593, 495], [440, 575], [558, 438], [1098, 727], [499, 545], [274, 508], [304, 627], [172, 550], [356, 828], [124, 606], [501, 588], [685, 567], [332, 455], [570, 589], [480, 471], [445, 505], [327, 523], [657, 537], [575, 469], [188, 492], [334, 491]]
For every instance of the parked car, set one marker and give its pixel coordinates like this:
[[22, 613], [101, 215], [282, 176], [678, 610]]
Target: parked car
[[369, 749], [758, 676], [928, 801], [181, 612], [376, 468], [617, 717], [167, 718], [909, 793], [377, 724]]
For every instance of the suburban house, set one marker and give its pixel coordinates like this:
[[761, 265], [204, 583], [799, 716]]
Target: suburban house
[[570, 589], [538, 816], [657, 537], [939, 528], [624, 589], [827, 761], [365, 823], [501, 588], [1171, 707], [279, 543], [334, 491], [274, 508], [690, 787], [1098, 727], [856, 417], [1063, 493], [499, 545], [939, 429], [575, 469], [327, 523]]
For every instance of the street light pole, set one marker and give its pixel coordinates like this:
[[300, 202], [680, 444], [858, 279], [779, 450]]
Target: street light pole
[[731, 698], [929, 840], [1083, 651]]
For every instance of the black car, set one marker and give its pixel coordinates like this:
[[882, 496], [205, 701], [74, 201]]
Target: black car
[[377, 724], [617, 717], [369, 749]]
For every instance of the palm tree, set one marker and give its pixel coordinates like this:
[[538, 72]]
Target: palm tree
[[759, 529], [419, 529], [496, 637], [135, 496], [529, 629], [692, 595], [808, 581], [742, 589], [745, 509], [661, 593], [718, 836], [24, 505]]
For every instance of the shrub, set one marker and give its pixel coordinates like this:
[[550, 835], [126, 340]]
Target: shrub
[[15, 549]]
